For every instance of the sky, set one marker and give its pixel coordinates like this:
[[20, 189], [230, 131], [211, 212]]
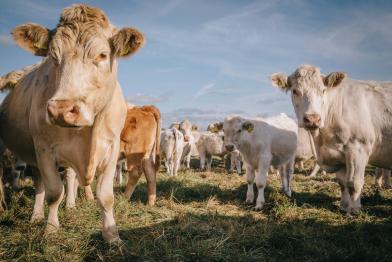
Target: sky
[[204, 60]]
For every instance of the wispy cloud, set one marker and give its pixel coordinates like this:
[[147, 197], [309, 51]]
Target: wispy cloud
[[204, 90], [6, 40], [142, 99]]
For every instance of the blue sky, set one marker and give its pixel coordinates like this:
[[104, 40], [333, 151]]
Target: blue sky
[[206, 59]]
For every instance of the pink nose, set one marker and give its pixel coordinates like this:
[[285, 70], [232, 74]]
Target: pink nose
[[63, 112], [312, 120], [229, 148], [186, 138]]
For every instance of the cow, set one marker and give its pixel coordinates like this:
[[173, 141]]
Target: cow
[[185, 128], [209, 144], [305, 150], [350, 121], [263, 142], [172, 146], [140, 146], [69, 111], [383, 178]]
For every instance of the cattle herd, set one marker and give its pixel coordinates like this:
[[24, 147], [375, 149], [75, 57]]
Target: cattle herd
[[66, 118]]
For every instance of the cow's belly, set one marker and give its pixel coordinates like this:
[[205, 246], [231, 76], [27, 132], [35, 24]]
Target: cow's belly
[[15, 132], [331, 158]]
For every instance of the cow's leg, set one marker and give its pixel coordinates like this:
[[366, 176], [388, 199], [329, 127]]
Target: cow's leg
[[39, 202], [54, 189], [202, 160], [105, 196], [209, 162], [301, 165], [88, 192], [356, 162], [261, 181], [133, 177], [118, 173], [378, 177], [250, 178], [2, 195], [289, 170], [386, 175], [188, 160], [176, 165], [239, 169], [150, 173], [345, 196], [76, 187], [15, 179], [70, 176], [315, 170]]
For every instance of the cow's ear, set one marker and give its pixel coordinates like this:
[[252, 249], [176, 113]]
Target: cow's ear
[[280, 80], [126, 42], [32, 37], [334, 79], [248, 126], [219, 126]]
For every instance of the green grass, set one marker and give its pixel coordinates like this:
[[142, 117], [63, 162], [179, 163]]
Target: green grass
[[202, 216]]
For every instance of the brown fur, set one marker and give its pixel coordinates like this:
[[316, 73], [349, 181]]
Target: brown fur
[[140, 141], [32, 37]]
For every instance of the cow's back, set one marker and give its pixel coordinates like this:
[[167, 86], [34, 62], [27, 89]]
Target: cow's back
[[140, 136]]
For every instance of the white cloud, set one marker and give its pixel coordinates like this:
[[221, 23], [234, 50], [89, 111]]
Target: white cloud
[[6, 40]]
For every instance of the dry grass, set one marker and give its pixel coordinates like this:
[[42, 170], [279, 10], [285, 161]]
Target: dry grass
[[202, 216]]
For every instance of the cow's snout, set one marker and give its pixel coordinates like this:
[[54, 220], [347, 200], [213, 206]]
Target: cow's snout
[[312, 121], [63, 113], [186, 138], [230, 148]]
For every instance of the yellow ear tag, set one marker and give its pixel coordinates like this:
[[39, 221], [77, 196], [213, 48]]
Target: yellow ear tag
[[250, 128]]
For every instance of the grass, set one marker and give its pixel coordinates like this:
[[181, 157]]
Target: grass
[[202, 216]]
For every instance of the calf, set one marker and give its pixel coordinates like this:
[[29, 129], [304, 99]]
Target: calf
[[208, 145], [263, 142], [350, 121], [185, 128], [140, 146], [172, 145]]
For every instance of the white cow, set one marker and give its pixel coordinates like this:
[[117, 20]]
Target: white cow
[[172, 145], [185, 128], [350, 121], [383, 178], [263, 142], [209, 144]]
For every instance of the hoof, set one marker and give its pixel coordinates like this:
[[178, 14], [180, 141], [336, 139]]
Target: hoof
[[288, 193], [70, 206], [37, 217], [258, 207], [111, 236], [50, 229], [249, 201]]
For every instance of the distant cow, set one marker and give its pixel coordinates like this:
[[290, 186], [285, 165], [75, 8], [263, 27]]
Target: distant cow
[[140, 143], [383, 178], [262, 143], [209, 144], [350, 121], [189, 142], [172, 145], [69, 110]]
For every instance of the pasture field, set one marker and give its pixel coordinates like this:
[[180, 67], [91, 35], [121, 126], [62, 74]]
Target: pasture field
[[201, 216]]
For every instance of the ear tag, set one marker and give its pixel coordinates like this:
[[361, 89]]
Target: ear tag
[[250, 128]]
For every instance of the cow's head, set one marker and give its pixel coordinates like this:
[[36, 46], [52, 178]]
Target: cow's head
[[83, 50], [235, 128], [215, 127], [308, 90], [186, 129]]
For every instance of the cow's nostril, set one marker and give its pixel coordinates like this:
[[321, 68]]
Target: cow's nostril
[[74, 110]]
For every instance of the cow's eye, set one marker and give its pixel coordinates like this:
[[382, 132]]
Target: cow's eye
[[295, 92], [239, 131], [101, 57]]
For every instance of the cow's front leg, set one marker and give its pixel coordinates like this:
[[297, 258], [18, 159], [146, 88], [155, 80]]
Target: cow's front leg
[[286, 173], [188, 161], [250, 178], [54, 188], [356, 162], [70, 176], [345, 196], [38, 210], [261, 181], [105, 198]]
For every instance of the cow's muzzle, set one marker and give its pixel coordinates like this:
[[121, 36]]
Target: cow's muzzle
[[312, 121], [64, 113], [230, 148], [186, 138]]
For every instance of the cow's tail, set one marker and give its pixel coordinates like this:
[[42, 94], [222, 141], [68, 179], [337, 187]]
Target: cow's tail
[[157, 115]]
